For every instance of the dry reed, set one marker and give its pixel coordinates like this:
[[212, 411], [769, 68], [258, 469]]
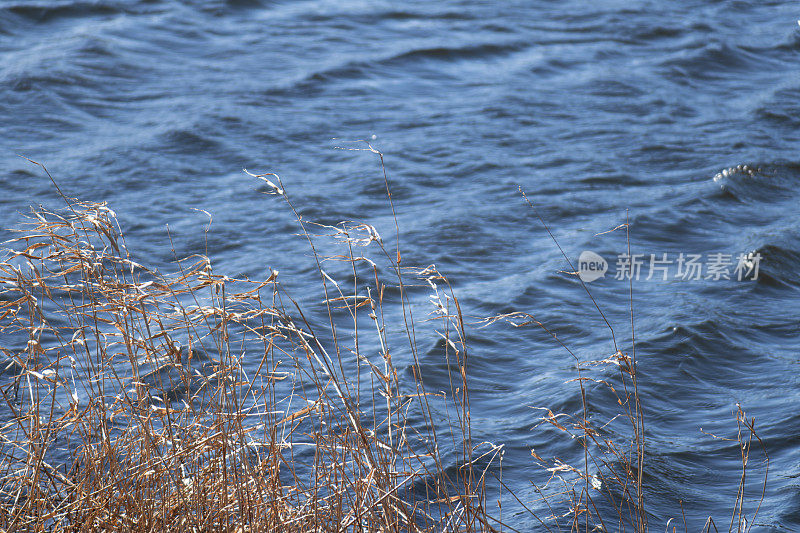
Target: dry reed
[[142, 401]]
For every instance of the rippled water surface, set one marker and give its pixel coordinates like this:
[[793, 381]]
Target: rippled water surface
[[595, 109]]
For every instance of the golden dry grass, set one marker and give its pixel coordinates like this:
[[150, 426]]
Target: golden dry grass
[[136, 382], [136, 400]]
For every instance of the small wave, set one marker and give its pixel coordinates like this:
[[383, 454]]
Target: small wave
[[356, 69], [443, 15], [48, 11], [757, 182], [186, 141], [46, 81], [612, 87], [738, 169], [75, 62], [714, 61], [658, 32], [778, 266], [782, 109], [456, 53]]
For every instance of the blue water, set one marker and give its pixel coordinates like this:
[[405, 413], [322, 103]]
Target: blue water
[[595, 109]]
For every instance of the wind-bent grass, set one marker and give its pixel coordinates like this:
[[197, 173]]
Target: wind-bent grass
[[138, 401]]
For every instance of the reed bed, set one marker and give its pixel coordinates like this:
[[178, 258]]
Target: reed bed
[[137, 400]]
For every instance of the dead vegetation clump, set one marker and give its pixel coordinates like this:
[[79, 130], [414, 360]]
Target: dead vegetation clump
[[136, 400]]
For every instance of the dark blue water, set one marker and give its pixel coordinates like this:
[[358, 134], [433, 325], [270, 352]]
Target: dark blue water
[[593, 108]]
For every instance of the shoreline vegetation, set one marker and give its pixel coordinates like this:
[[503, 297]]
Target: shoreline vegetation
[[136, 400]]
